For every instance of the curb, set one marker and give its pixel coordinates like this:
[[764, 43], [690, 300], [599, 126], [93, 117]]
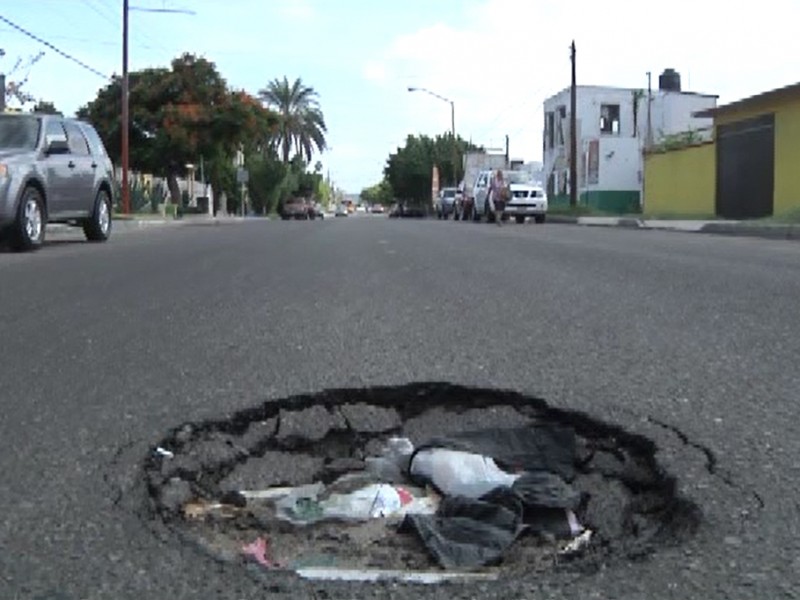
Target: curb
[[772, 232], [562, 220]]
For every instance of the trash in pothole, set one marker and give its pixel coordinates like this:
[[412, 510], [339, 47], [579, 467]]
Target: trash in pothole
[[424, 483]]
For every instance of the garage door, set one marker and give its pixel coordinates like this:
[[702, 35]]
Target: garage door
[[746, 168]]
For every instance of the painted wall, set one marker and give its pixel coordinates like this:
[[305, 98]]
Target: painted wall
[[787, 159], [787, 147], [673, 113], [681, 182], [621, 164]]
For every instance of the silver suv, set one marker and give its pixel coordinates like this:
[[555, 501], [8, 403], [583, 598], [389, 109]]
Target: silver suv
[[52, 170]]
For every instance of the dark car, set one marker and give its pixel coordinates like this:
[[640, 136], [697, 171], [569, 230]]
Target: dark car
[[52, 170], [295, 208]]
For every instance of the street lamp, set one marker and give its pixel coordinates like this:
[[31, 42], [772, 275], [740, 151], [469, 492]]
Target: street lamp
[[452, 126]]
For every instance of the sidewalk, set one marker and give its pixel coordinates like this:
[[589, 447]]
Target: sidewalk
[[128, 224], [780, 231]]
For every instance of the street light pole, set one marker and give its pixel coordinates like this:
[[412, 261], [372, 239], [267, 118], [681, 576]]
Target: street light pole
[[126, 196], [452, 127]]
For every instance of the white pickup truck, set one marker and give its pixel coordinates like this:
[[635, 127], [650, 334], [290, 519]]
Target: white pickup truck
[[527, 198], [474, 164]]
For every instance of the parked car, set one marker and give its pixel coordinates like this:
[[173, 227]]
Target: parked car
[[378, 209], [342, 211], [527, 199], [295, 208], [446, 202], [52, 170], [319, 210]]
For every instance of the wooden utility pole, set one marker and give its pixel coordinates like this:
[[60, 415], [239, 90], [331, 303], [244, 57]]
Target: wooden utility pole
[[649, 139], [124, 124], [573, 135], [455, 143], [125, 116]]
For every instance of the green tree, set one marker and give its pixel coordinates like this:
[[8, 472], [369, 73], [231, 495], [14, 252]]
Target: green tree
[[409, 170], [179, 114], [271, 181], [301, 124], [46, 108], [380, 193]]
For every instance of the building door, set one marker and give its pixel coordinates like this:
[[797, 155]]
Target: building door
[[746, 168]]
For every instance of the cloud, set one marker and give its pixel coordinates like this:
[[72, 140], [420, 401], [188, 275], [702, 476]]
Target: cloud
[[375, 71], [506, 57], [300, 10]]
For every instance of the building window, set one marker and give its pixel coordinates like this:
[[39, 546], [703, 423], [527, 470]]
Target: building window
[[609, 118], [562, 120], [549, 127]]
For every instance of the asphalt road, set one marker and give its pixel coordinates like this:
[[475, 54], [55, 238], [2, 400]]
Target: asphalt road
[[692, 340]]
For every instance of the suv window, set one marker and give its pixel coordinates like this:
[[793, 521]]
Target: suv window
[[95, 143], [54, 129], [77, 142], [18, 132]]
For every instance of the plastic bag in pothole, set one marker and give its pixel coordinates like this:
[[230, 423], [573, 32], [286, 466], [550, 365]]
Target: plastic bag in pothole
[[304, 506], [392, 464], [458, 473]]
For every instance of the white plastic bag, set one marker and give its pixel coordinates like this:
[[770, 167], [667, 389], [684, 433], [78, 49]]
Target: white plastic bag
[[373, 501], [457, 473], [391, 465]]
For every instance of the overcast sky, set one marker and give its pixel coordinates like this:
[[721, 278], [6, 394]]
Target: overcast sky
[[497, 59]]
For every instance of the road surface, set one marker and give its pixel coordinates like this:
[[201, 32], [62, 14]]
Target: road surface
[[692, 340]]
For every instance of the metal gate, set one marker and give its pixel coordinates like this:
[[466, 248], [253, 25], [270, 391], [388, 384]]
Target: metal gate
[[746, 168]]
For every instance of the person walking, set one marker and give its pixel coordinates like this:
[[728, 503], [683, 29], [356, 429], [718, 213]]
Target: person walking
[[497, 196]]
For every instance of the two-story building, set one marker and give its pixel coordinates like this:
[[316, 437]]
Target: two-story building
[[614, 126]]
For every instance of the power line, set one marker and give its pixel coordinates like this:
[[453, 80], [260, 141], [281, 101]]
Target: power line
[[102, 14], [53, 48], [90, 41]]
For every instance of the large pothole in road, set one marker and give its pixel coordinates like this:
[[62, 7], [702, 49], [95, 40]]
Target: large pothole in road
[[424, 482]]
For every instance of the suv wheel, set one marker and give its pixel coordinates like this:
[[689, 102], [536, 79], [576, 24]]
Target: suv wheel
[[28, 230], [97, 228], [540, 218]]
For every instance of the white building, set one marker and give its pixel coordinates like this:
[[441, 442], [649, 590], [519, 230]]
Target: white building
[[613, 128]]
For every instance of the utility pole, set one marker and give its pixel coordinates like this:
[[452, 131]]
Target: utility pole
[[455, 145], [126, 193], [649, 139], [2, 85], [508, 158], [125, 116], [573, 135]]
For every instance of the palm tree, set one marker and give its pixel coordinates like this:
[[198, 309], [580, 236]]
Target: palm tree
[[301, 123]]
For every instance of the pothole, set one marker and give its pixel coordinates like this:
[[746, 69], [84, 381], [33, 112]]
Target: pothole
[[424, 482]]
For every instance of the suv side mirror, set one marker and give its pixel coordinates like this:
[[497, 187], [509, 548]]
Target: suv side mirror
[[56, 145]]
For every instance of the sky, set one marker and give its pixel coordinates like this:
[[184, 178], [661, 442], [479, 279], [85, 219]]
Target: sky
[[497, 60]]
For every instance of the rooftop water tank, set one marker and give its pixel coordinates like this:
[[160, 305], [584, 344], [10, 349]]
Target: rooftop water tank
[[669, 81]]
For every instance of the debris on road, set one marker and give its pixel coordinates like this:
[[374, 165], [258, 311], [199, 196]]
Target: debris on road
[[165, 453], [419, 484], [258, 550], [577, 544]]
